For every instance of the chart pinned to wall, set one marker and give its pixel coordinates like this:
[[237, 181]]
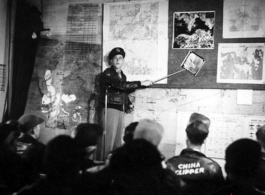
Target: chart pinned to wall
[[224, 130], [252, 123]]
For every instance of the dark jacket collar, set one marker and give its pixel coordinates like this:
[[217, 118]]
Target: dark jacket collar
[[188, 151], [112, 69]]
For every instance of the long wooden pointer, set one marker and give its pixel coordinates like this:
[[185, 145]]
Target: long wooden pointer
[[168, 76]]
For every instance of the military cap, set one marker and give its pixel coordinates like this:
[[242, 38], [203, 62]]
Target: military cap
[[198, 127], [199, 117], [29, 121], [149, 130], [115, 51]]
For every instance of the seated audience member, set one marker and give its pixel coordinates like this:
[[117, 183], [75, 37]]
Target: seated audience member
[[86, 139], [61, 164], [242, 163], [260, 178], [128, 132], [197, 174], [14, 172], [29, 125], [101, 180], [32, 150], [127, 138], [135, 168], [149, 130]]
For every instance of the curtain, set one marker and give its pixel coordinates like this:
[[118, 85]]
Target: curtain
[[27, 22]]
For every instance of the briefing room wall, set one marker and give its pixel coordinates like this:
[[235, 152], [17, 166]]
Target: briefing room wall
[[185, 100]]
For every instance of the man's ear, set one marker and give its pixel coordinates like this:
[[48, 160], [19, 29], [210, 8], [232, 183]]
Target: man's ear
[[110, 62], [187, 141]]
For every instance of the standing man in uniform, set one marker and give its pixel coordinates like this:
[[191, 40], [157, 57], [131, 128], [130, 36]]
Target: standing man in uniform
[[114, 91], [197, 174]]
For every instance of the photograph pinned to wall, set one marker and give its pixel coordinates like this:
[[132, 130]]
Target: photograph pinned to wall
[[192, 63], [244, 18], [193, 30], [241, 63]]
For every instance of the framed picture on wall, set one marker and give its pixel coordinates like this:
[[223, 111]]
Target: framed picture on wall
[[241, 63], [192, 63], [243, 18], [193, 30]]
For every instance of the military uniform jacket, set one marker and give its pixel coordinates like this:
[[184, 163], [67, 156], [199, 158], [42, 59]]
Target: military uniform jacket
[[117, 89], [196, 173]]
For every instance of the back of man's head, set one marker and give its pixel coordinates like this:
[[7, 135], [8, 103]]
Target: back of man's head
[[261, 136], [242, 159], [136, 167], [137, 155], [61, 157], [149, 130], [197, 131], [128, 132], [87, 134]]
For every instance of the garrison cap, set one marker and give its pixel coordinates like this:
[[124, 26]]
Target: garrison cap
[[115, 51], [199, 117], [197, 127]]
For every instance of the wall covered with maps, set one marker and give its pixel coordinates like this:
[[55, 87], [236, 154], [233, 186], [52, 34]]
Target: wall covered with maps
[[228, 34], [64, 84]]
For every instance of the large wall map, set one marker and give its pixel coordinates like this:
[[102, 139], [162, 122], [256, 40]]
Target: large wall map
[[63, 84], [66, 69], [140, 28]]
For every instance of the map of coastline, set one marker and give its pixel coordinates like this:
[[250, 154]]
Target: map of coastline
[[241, 62]]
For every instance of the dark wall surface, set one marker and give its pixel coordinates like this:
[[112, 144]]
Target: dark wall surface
[[206, 78]]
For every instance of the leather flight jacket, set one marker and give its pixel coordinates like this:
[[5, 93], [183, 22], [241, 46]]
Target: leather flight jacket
[[197, 174], [117, 89]]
